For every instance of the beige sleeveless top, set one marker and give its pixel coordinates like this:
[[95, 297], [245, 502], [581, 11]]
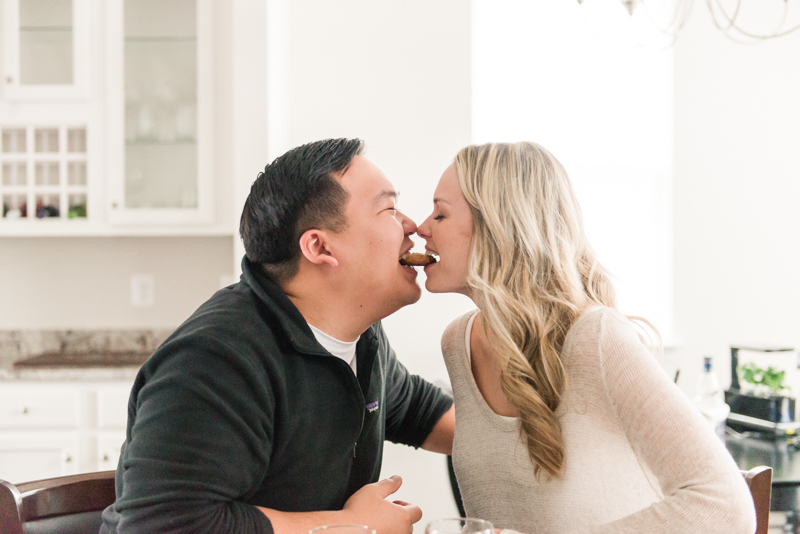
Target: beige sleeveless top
[[639, 457]]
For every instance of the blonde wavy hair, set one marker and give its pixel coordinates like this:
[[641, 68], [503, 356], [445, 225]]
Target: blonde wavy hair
[[532, 273]]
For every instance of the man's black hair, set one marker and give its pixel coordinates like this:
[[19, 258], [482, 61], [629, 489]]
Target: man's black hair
[[295, 193]]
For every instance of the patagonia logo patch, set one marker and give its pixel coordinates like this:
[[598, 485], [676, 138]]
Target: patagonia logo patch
[[373, 406]]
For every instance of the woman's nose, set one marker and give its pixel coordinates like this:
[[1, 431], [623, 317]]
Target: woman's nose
[[423, 230]]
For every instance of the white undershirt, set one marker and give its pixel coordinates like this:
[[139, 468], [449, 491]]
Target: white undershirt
[[346, 350], [469, 357]]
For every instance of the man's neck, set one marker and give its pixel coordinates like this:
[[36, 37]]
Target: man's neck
[[334, 316]]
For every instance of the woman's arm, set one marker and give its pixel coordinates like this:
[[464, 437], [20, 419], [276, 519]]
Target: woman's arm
[[704, 491]]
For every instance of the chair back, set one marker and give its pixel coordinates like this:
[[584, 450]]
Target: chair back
[[71, 504], [759, 480]]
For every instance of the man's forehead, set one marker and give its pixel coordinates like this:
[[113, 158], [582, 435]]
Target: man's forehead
[[366, 180]]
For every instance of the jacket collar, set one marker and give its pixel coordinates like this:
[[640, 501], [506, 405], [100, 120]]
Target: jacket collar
[[284, 311]]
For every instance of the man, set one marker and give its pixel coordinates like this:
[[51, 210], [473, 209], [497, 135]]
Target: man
[[267, 409]]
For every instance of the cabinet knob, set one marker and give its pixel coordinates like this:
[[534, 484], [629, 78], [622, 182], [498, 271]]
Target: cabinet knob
[[114, 205], [105, 457], [24, 410], [68, 459], [9, 79]]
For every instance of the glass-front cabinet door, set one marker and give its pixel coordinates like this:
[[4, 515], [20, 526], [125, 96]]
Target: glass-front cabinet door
[[159, 121], [45, 49]]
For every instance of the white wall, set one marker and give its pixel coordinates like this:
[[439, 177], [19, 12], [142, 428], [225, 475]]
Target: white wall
[[737, 189], [85, 282], [398, 76], [546, 72]]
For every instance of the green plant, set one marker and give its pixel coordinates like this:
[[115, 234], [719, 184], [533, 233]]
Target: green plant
[[769, 377]]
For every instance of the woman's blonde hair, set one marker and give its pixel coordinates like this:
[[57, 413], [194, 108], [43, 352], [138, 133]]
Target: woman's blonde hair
[[532, 273]]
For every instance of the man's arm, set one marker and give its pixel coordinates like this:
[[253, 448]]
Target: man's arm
[[415, 408], [441, 437], [368, 506], [200, 438]]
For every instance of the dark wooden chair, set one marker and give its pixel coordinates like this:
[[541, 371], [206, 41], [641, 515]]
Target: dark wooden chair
[[759, 480], [64, 505]]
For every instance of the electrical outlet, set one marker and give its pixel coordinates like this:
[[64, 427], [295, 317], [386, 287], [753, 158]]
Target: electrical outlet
[[143, 290]]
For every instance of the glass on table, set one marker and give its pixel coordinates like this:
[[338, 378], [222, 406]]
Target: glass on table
[[342, 529], [459, 525]]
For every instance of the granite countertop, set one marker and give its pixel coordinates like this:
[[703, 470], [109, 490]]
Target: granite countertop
[[76, 355]]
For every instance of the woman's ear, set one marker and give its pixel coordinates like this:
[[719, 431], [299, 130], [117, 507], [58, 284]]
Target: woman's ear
[[316, 249]]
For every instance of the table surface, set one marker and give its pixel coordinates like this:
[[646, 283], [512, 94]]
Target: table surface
[[783, 458]]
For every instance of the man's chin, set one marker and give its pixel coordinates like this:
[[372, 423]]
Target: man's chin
[[417, 294], [408, 297]]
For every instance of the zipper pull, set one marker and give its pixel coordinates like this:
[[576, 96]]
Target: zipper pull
[[354, 449]]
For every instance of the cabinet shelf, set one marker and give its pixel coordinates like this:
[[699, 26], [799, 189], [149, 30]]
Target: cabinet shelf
[[160, 39], [63, 29], [80, 227], [156, 142]]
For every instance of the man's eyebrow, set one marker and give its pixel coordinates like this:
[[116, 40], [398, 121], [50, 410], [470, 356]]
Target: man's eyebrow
[[388, 193]]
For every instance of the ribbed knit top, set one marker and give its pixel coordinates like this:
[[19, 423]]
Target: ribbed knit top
[[639, 456]]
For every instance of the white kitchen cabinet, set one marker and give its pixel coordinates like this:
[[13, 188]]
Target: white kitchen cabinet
[[44, 167], [29, 455], [120, 138], [50, 429], [39, 408], [108, 449], [45, 49], [160, 109]]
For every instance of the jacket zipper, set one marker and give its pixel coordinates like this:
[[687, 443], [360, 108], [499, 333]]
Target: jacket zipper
[[361, 399]]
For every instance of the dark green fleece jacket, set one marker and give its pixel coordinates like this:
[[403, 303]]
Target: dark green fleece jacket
[[241, 407]]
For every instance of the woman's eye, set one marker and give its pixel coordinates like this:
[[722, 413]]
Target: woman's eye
[[438, 218]]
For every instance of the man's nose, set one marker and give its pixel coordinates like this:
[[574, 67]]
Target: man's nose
[[409, 226]]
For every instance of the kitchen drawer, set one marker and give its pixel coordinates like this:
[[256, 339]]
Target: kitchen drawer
[[108, 450], [29, 456], [39, 407]]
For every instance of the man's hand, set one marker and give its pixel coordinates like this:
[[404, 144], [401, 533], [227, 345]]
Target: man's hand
[[368, 506]]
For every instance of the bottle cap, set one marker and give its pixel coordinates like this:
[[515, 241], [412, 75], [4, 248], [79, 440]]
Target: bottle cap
[[707, 363]]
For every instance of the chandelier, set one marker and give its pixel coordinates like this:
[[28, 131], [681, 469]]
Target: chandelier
[[740, 20]]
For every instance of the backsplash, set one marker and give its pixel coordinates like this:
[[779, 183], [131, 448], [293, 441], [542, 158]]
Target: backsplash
[[19, 344]]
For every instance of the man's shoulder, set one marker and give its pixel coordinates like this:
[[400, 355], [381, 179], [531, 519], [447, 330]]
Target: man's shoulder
[[229, 326]]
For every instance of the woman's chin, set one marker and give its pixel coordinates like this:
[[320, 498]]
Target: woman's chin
[[432, 287]]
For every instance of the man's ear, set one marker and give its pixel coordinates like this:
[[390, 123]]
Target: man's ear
[[315, 247]]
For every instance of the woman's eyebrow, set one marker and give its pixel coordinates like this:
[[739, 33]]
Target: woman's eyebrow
[[438, 200]]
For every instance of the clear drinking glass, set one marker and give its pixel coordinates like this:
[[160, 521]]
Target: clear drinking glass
[[459, 525], [342, 529]]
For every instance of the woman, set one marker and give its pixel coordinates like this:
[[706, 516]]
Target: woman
[[565, 422]]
